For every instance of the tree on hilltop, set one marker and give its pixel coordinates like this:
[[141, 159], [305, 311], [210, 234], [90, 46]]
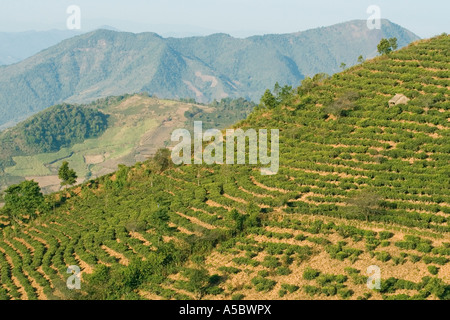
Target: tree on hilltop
[[268, 100], [161, 160], [68, 176], [386, 46]]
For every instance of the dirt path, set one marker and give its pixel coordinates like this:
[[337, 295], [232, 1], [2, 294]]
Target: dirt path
[[197, 221], [122, 259], [263, 186]]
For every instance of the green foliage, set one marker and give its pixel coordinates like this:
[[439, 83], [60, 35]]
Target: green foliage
[[383, 256], [386, 46], [289, 287], [161, 160], [310, 274], [237, 296], [280, 96], [226, 113], [367, 204], [198, 281], [270, 262], [311, 290], [22, 200], [68, 176], [51, 130], [433, 270], [244, 221], [342, 104], [231, 270], [340, 252], [268, 100], [263, 284], [384, 235], [159, 219]]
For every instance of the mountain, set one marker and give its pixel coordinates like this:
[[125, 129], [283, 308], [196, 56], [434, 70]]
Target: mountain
[[362, 189], [104, 63], [17, 46], [97, 137]]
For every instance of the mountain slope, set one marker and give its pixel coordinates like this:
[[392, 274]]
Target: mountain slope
[[95, 138], [104, 63], [360, 184]]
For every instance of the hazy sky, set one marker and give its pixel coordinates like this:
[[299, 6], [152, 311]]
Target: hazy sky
[[236, 17]]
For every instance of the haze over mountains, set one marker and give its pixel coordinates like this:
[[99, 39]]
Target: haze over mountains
[[104, 63], [16, 46]]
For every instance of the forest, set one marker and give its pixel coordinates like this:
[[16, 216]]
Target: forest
[[51, 130]]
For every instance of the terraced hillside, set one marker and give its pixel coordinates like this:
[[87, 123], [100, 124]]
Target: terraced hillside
[[360, 184]]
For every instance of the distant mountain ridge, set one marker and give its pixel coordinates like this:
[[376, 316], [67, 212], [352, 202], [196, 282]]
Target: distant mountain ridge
[[104, 63]]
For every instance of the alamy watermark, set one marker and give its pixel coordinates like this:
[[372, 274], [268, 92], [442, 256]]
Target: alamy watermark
[[374, 20], [74, 20], [74, 281], [374, 279], [214, 152]]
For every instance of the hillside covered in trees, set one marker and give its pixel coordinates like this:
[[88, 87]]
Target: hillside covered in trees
[[51, 130], [360, 184]]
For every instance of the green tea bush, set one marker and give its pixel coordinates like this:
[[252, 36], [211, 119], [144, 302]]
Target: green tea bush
[[433, 270], [263, 284], [310, 274]]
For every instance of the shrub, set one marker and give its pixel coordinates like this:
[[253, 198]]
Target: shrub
[[385, 243], [270, 262], [245, 261], [329, 290], [433, 270], [263, 273], [214, 290], [237, 296], [263, 284], [310, 274], [383, 256], [283, 271], [424, 247], [311, 290], [366, 296], [321, 241], [384, 235], [345, 293], [229, 270], [198, 259], [300, 237], [351, 270], [289, 287]]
